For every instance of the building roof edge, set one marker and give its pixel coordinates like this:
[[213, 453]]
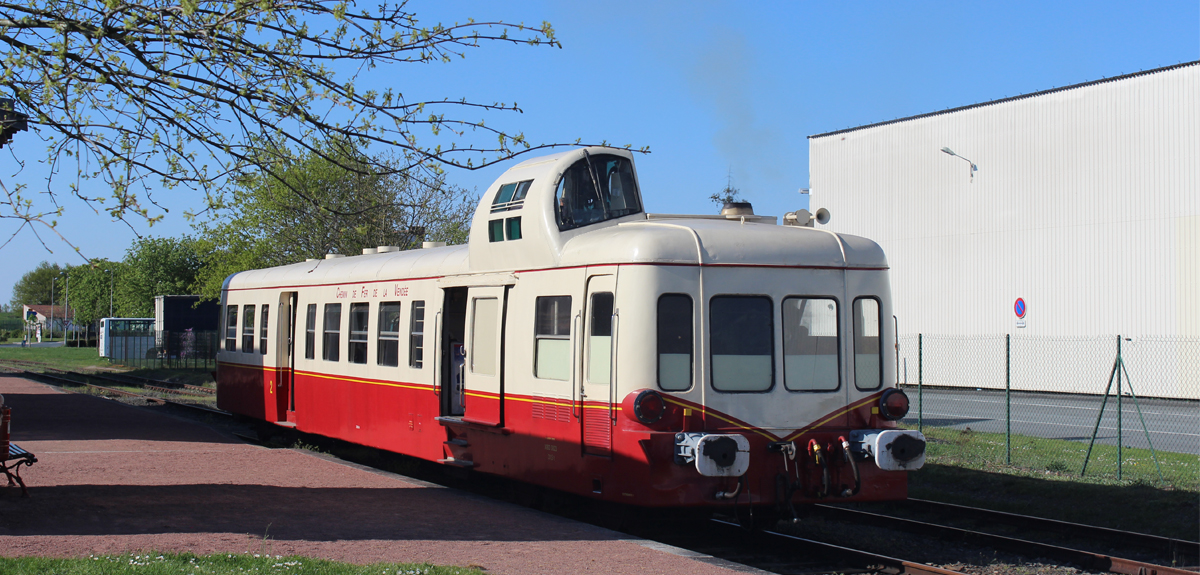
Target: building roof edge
[[1009, 99]]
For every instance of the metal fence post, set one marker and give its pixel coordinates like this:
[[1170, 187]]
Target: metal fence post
[[1008, 399], [920, 381], [1120, 440]]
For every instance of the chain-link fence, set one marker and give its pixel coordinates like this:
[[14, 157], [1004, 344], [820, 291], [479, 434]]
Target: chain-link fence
[[163, 349], [1111, 407]]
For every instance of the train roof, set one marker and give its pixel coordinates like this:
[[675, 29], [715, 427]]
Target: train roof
[[634, 238]]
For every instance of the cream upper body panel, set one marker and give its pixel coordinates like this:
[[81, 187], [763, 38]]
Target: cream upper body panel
[[423, 263]]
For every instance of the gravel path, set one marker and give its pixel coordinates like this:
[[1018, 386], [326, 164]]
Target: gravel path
[[112, 478]]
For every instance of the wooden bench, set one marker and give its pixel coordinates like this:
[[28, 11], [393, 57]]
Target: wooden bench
[[13, 456]]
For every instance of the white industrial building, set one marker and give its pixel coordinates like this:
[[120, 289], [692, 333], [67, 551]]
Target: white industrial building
[[1083, 201]]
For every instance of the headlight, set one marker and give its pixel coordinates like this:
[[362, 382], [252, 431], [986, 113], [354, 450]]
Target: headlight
[[893, 404]]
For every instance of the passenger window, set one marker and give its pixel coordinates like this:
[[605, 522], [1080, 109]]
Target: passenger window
[[552, 335], [388, 349], [868, 355], [600, 338], [332, 327], [262, 330], [579, 202], [231, 328], [416, 338], [675, 320], [310, 332], [360, 315], [484, 348], [248, 329], [743, 343], [810, 344]]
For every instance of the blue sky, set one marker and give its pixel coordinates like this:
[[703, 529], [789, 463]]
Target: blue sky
[[718, 89]]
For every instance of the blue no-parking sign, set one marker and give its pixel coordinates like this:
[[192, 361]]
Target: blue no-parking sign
[[1019, 307]]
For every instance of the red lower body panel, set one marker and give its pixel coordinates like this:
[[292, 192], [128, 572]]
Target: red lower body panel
[[546, 442]]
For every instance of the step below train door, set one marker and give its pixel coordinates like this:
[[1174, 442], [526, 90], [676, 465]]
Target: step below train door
[[484, 363], [599, 358]]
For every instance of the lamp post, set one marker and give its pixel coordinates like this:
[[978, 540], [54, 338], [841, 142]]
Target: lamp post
[[110, 292], [974, 168], [67, 309], [52, 307]]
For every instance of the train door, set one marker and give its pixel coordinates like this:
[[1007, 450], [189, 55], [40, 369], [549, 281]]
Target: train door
[[599, 357], [450, 325], [285, 358], [484, 362]]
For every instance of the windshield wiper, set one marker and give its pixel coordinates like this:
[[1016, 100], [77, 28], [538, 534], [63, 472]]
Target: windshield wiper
[[596, 184]]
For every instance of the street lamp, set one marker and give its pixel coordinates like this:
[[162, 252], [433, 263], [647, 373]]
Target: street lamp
[[974, 168]]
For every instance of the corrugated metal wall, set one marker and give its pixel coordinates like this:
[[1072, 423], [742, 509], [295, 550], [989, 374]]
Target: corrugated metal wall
[[1086, 204]]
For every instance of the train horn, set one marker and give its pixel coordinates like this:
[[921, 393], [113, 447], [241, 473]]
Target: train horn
[[822, 216], [805, 218]]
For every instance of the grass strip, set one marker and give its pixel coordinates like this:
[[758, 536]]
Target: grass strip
[[219, 564], [65, 358], [1060, 459]]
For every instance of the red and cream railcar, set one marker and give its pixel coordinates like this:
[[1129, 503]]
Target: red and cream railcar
[[579, 343]]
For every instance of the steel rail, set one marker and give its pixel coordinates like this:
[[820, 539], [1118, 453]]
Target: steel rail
[[153, 384], [1176, 547], [159, 400], [1085, 559], [880, 563], [145, 380]]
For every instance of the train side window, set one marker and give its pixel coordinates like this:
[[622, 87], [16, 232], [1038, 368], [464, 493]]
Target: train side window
[[416, 338], [522, 190], [675, 320], [505, 194], [743, 343], [600, 338], [231, 327], [810, 344], [360, 316], [332, 328], [552, 338], [868, 353], [387, 351], [248, 329], [310, 332], [262, 330]]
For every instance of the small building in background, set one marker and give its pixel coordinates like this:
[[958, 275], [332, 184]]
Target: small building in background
[[177, 313], [48, 318]]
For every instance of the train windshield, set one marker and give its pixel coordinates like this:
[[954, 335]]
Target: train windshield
[[597, 188]]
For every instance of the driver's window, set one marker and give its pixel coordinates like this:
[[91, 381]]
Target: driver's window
[[578, 202]]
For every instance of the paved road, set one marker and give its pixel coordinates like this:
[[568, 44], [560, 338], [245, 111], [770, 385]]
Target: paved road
[[1173, 425], [43, 344]]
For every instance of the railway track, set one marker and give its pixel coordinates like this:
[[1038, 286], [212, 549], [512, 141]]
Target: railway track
[[60, 378], [124, 380], [1080, 558], [791, 552], [1180, 552]]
